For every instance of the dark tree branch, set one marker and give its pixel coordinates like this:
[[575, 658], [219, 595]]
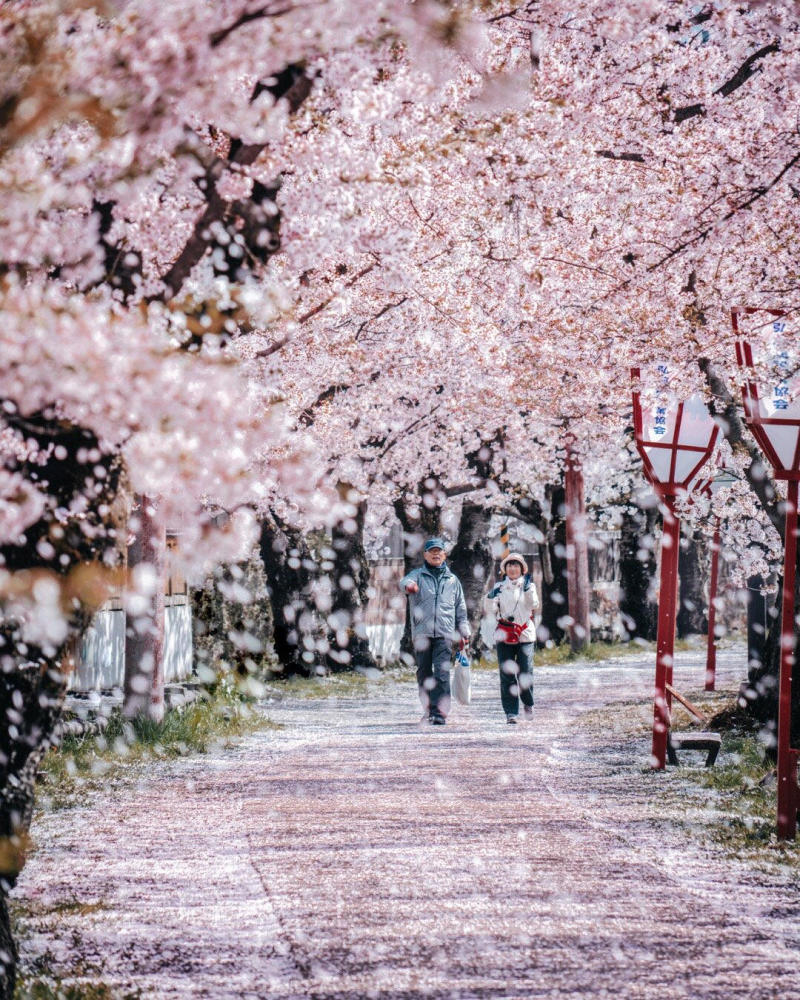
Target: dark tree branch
[[123, 268], [739, 78], [195, 247], [251, 227], [724, 405], [332, 298], [572, 263], [758, 193], [501, 17], [382, 312], [306, 418], [463, 488], [274, 347], [407, 430], [629, 157], [254, 15]]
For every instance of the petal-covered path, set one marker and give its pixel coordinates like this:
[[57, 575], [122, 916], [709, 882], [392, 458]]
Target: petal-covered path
[[355, 854]]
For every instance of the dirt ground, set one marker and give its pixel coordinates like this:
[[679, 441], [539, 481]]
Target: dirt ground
[[355, 853]]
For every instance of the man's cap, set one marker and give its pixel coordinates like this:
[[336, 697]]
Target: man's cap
[[434, 543]]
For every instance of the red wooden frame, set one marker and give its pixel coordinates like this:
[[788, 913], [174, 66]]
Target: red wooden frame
[[751, 398], [788, 794], [668, 589]]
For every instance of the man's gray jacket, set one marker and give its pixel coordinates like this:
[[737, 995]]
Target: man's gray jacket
[[438, 609]]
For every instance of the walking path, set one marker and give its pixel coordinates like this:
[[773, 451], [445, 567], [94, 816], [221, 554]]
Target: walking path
[[355, 854]]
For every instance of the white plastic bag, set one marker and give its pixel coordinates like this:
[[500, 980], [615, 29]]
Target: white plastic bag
[[462, 680]]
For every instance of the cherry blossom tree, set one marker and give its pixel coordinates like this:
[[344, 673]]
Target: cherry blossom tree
[[259, 254], [138, 152], [606, 214]]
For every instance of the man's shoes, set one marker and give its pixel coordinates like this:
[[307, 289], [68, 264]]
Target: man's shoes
[[528, 710], [511, 720], [438, 720]]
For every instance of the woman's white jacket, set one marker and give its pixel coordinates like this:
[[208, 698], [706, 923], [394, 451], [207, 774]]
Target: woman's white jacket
[[514, 600]]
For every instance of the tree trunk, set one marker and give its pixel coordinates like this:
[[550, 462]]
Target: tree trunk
[[471, 560], [576, 530], [554, 596], [290, 569], [761, 690], [349, 645], [41, 688], [207, 629], [759, 606], [637, 566], [8, 953], [693, 571], [32, 682], [144, 614], [418, 521], [232, 621]]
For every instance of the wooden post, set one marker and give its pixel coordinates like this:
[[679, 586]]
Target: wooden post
[[144, 613]]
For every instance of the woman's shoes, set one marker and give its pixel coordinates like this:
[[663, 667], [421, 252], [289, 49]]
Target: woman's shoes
[[527, 713]]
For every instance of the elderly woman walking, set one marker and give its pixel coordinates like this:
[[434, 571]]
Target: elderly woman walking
[[513, 602]]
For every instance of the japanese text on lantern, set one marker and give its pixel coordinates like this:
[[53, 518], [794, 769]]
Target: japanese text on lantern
[[660, 411], [780, 392]]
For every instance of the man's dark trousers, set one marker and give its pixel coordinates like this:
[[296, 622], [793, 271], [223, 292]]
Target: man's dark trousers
[[433, 675]]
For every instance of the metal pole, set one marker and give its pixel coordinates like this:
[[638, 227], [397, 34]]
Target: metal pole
[[787, 761], [665, 646], [711, 653]]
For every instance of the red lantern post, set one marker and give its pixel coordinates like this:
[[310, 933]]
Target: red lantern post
[[774, 419], [674, 440]]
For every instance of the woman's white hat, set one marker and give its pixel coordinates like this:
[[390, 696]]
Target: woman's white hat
[[513, 557]]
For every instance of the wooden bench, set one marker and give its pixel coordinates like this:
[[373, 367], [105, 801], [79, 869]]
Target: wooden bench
[[710, 742], [692, 740]]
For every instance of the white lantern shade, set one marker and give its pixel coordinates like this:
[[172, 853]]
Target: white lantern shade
[[772, 393], [676, 439]]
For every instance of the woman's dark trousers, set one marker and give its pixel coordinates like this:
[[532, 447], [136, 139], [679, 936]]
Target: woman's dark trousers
[[516, 675], [433, 675]]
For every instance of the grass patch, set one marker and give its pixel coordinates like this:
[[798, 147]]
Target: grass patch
[[81, 763], [556, 655], [49, 988], [594, 652], [743, 790], [42, 977], [623, 720], [42, 983], [732, 804], [348, 684]]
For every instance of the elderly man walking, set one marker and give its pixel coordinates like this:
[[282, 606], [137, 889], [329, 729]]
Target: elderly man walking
[[438, 618]]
